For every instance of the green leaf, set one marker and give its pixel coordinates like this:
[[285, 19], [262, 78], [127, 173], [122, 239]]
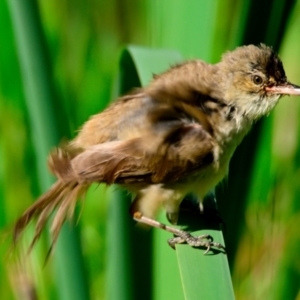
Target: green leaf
[[138, 65], [47, 128]]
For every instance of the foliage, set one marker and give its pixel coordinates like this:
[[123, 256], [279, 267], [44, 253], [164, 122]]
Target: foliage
[[84, 41]]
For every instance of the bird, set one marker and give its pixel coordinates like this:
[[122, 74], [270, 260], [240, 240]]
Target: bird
[[174, 137]]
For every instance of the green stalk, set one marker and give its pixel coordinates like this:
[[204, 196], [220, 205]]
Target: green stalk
[[47, 128], [190, 29], [141, 64]]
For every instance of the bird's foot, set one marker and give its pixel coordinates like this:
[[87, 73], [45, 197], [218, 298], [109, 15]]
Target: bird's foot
[[181, 235], [204, 240]]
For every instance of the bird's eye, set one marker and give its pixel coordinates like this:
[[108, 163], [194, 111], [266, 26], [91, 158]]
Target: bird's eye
[[257, 80]]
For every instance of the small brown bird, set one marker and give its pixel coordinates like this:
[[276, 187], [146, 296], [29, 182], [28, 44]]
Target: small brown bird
[[173, 137]]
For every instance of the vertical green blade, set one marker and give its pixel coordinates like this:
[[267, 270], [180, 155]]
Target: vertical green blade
[[45, 113], [142, 63]]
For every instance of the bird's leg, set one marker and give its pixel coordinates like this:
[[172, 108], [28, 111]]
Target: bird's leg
[[182, 236]]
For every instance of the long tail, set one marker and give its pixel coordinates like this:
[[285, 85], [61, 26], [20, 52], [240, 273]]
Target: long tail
[[62, 196], [120, 162]]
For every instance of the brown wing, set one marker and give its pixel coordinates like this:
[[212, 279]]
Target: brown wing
[[150, 159], [177, 92], [124, 119]]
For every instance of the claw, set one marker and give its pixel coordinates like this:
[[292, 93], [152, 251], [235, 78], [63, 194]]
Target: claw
[[195, 241], [182, 236]]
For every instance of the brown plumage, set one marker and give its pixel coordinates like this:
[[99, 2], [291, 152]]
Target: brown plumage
[[171, 138]]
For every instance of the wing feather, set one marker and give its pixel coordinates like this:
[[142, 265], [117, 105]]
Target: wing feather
[[149, 159]]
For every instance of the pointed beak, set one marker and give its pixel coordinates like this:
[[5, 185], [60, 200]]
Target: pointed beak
[[286, 89]]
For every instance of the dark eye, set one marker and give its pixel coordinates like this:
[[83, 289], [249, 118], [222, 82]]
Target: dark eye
[[257, 80]]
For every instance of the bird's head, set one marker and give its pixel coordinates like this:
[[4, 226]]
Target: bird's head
[[254, 80]]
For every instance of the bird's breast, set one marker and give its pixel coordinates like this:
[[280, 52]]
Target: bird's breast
[[203, 180]]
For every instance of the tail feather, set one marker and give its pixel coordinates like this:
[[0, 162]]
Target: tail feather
[[112, 162], [62, 196], [37, 208], [66, 209]]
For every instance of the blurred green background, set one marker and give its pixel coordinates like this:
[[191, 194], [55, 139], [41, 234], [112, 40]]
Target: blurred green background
[[81, 45]]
